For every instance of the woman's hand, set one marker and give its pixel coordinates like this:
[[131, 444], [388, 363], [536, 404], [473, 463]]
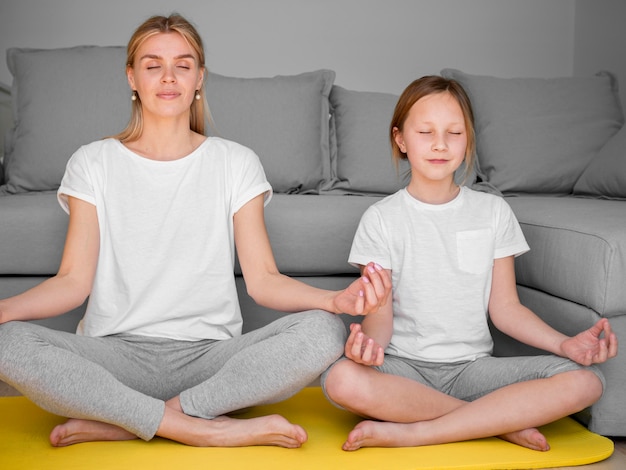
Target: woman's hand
[[362, 349], [592, 346], [366, 294]]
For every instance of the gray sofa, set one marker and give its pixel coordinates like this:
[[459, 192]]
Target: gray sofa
[[552, 147]]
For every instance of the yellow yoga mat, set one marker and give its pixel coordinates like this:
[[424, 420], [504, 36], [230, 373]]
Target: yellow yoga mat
[[24, 430]]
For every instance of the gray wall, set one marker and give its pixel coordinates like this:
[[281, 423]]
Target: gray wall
[[600, 39], [375, 45]]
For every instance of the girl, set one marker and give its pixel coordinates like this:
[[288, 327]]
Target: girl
[[422, 366], [154, 217]]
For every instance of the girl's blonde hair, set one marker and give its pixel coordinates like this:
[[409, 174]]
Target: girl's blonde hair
[[199, 114], [420, 88]]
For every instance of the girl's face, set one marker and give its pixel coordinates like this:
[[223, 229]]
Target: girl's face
[[434, 137], [166, 75]]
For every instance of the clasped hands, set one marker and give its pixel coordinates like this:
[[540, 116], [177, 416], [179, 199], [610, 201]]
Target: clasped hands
[[367, 294]]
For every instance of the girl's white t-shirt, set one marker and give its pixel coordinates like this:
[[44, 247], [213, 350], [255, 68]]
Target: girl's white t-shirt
[[166, 260], [441, 257]]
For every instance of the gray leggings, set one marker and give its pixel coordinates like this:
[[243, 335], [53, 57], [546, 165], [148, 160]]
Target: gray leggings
[[126, 379]]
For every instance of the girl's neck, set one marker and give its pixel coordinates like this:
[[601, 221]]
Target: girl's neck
[[433, 192]]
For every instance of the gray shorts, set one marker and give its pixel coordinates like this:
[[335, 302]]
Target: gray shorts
[[469, 380]]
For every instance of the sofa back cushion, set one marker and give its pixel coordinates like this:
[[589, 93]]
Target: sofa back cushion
[[605, 177], [362, 161], [64, 98], [537, 135], [284, 119]]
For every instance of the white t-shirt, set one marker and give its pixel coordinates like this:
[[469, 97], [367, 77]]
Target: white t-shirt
[[166, 260], [441, 257]]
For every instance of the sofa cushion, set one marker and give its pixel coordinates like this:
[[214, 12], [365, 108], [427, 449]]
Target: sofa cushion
[[62, 99], [537, 135], [577, 249], [284, 119], [312, 235], [362, 160], [605, 177], [33, 228]]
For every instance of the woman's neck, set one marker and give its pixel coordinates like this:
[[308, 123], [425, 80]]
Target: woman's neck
[[166, 142]]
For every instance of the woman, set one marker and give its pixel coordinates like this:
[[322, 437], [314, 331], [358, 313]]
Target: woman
[[155, 214]]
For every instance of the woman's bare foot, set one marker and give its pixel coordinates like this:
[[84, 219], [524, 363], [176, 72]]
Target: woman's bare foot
[[223, 431], [75, 431], [273, 430], [384, 434]]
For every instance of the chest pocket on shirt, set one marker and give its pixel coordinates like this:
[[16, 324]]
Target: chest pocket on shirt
[[474, 250]]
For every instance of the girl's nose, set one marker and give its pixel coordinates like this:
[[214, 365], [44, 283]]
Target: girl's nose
[[440, 143]]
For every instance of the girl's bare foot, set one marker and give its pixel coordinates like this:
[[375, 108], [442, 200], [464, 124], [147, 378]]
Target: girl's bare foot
[[380, 434], [75, 431], [530, 438], [385, 434]]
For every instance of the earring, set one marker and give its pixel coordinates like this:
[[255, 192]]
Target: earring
[[133, 97], [198, 95]]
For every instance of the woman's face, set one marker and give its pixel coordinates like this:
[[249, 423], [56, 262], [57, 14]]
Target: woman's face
[[434, 137], [165, 75]]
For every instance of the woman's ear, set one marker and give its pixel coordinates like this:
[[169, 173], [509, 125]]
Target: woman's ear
[[201, 78], [130, 76]]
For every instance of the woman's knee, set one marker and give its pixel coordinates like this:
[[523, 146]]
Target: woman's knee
[[327, 330], [12, 334]]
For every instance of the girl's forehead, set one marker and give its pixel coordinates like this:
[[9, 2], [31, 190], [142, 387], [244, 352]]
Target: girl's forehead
[[443, 103]]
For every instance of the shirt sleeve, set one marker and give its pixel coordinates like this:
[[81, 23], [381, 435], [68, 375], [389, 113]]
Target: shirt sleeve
[[249, 179], [76, 181], [370, 242], [510, 240]]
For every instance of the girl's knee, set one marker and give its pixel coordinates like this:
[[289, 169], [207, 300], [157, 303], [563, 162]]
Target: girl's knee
[[341, 381], [586, 385]]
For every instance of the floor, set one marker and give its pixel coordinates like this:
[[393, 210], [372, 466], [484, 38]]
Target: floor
[[616, 462]]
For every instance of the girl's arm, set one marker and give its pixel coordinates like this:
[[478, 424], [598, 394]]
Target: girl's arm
[[367, 342], [71, 285], [594, 345], [268, 287]]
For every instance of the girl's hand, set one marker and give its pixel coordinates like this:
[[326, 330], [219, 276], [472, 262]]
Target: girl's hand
[[362, 349], [366, 294], [592, 346]]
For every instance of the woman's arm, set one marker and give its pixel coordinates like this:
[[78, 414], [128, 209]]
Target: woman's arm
[[71, 285], [594, 345], [268, 287]]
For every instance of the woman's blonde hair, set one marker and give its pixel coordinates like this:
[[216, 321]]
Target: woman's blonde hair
[[199, 115], [420, 88]]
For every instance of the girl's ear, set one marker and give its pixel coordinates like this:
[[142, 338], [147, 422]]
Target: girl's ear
[[399, 139]]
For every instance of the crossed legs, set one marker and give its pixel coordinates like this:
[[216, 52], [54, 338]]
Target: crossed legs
[[408, 413], [105, 400]]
